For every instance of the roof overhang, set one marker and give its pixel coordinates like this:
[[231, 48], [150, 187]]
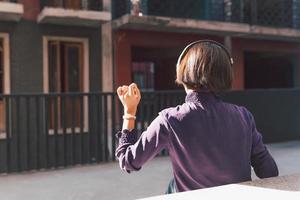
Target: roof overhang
[[11, 11], [70, 17], [180, 25]]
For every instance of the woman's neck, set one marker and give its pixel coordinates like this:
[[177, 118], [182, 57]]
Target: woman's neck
[[188, 90], [191, 90]]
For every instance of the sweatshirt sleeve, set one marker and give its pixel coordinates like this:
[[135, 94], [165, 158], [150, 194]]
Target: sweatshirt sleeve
[[261, 160], [132, 153]]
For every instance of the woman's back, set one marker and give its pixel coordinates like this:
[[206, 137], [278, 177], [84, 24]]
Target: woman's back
[[210, 143]]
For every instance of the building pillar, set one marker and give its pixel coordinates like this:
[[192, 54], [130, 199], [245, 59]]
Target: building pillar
[[107, 58], [108, 80], [108, 74], [107, 52], [228, 43], [238, 65]]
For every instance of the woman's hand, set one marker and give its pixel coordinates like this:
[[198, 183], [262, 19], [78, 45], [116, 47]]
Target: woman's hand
[[130, 97]]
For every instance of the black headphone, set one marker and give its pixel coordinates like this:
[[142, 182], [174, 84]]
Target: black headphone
[[185, 50]]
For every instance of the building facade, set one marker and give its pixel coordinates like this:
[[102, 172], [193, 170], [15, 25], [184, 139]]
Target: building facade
[[47, 47], [263, 37], [44, 37], [96, 45], [62, 60]]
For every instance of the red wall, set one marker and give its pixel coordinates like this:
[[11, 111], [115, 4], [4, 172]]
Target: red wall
[[31, 9], [125, 39]]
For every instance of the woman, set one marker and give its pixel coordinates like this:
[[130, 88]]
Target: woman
[[210, 142]]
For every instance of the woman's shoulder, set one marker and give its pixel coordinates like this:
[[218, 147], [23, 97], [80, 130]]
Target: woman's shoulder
[[175, 112], [242, 111]]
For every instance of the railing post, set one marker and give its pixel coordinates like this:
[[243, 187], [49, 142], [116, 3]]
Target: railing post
[[144, 7], [241, 11], [296, 14], [207, 9], [37, 126], [113, 124], [254, 12], [8, 121]]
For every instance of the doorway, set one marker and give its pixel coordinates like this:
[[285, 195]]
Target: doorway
[[265, 70]]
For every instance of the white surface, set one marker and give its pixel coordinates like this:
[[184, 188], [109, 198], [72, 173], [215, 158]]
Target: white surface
[[232, 192]]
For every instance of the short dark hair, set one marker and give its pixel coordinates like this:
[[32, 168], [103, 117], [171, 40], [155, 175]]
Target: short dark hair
[[205, 66]]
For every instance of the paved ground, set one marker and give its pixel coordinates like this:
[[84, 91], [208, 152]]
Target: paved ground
[[107, 182]]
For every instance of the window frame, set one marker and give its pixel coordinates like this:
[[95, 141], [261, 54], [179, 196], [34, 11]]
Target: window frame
[[6, 63], [6, 72], [85, 67]]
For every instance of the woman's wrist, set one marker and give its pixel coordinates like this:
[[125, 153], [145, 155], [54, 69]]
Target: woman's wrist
[[128, 124], [130, 111], [129, 118]]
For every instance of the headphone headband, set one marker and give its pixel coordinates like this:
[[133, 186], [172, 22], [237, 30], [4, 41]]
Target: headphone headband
[[185, 50]]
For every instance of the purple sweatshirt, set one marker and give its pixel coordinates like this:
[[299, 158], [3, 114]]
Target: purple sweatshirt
[[210, 143]]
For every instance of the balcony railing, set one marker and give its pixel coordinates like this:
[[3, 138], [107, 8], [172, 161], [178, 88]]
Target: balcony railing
[[46, 131], [94, 5], [83, 13], [274, 13]]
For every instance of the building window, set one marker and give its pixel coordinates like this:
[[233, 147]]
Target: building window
[[143, 75], [4, 80], [66, 71], [65, 66]]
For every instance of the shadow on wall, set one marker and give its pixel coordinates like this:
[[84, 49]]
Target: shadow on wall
[[276, 111]]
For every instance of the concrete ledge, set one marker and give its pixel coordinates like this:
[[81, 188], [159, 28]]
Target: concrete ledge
[[287, 183], [169, 24], [11, 11], [62, 16]]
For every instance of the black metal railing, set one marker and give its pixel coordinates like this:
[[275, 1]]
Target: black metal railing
[[275, 13], [45, 131], [49, 131], [95, 5]]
